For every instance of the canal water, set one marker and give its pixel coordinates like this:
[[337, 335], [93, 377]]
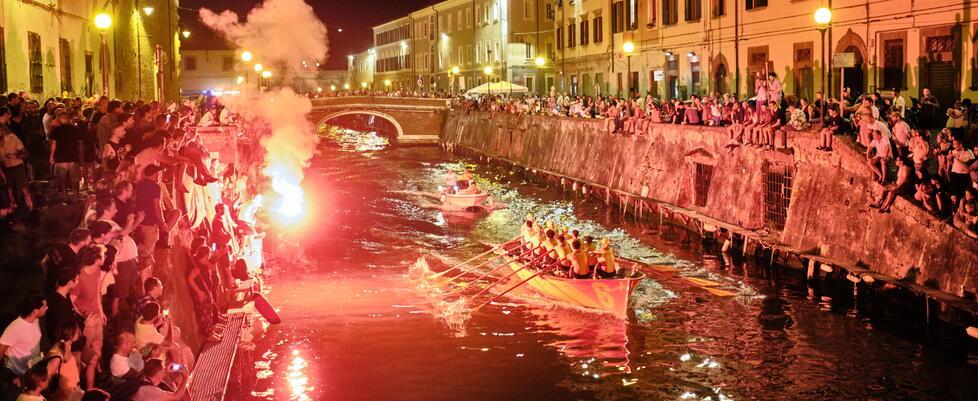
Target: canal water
[[356, 326]]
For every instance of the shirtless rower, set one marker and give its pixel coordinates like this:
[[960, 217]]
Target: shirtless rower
[[589, 249], [579, 261], [607, 268], [549, 245], [562, 251]]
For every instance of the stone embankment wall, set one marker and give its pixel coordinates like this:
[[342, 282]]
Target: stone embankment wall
[[829, 193]]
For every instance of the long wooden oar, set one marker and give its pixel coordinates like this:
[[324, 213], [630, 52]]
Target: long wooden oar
[[439, 274], [463, 287], [501, 280], [510, 289], [474, 268]]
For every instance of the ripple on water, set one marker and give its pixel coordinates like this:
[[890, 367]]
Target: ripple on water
[[367, 327]]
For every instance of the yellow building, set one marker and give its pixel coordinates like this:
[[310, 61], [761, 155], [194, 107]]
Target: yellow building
[[360, 70], [684, 47], [393, 67], [449, 45], [55, 49], [50, 52]]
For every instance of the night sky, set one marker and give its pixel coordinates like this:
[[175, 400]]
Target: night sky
[[354, 16]]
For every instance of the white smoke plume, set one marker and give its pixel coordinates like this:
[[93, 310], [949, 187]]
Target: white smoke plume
[[281, 35]]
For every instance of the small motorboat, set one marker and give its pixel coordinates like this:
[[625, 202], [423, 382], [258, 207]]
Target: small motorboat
[[609, 295], [469, 202]]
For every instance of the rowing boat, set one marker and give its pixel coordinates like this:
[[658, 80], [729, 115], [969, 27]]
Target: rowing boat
[[455, 201], [608, 295]]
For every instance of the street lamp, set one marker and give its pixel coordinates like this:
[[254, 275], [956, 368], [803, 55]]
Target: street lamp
[[346, 87], [259, 67], [246, 56], [629, 47], [387, 84], [453, 73], [332, 88], [540, 61], [148, 10], [823, 17], [103, 22], [185, 33], [363, 85], [240, 80], [266, 74]]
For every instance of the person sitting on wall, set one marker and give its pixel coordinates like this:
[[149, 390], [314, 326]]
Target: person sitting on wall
[[755, 129], [692, 113], [797, 121], [966, 216], [612, 118], [902, 186], [832, 127], [879, 154]]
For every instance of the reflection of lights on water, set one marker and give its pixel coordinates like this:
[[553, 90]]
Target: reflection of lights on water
[[708, 363], [685, 357], [687, 395], [296, 376]]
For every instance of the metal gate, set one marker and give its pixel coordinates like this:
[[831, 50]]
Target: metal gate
[[940, 76], [704, 175], [777, 194]]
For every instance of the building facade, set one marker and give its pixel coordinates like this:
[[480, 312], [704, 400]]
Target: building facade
[[685, 47], [54, 48], [360, 70], [449, 45]]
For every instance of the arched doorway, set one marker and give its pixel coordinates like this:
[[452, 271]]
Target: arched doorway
[[720, 79], [854, 78], [719, 74]]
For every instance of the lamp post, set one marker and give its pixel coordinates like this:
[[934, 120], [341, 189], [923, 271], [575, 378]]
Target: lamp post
[[246, 56], [139, 51], [540, 62], [488, 72], [452, 74], [103, 21], [628, 47], [265, 75], [823, 17]]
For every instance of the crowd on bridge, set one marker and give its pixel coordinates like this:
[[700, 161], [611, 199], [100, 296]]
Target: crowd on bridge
[[126, 176]]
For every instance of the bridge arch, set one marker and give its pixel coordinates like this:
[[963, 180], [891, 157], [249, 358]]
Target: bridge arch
[[393, 121]]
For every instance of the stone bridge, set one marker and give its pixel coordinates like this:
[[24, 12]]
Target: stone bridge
[[415, 120]]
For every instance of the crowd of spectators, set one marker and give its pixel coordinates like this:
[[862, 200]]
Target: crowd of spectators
[[916, 149], [100, 327]]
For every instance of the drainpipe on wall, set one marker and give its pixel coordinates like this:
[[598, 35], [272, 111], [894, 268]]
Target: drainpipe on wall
[[829, 68], [737, 49]]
